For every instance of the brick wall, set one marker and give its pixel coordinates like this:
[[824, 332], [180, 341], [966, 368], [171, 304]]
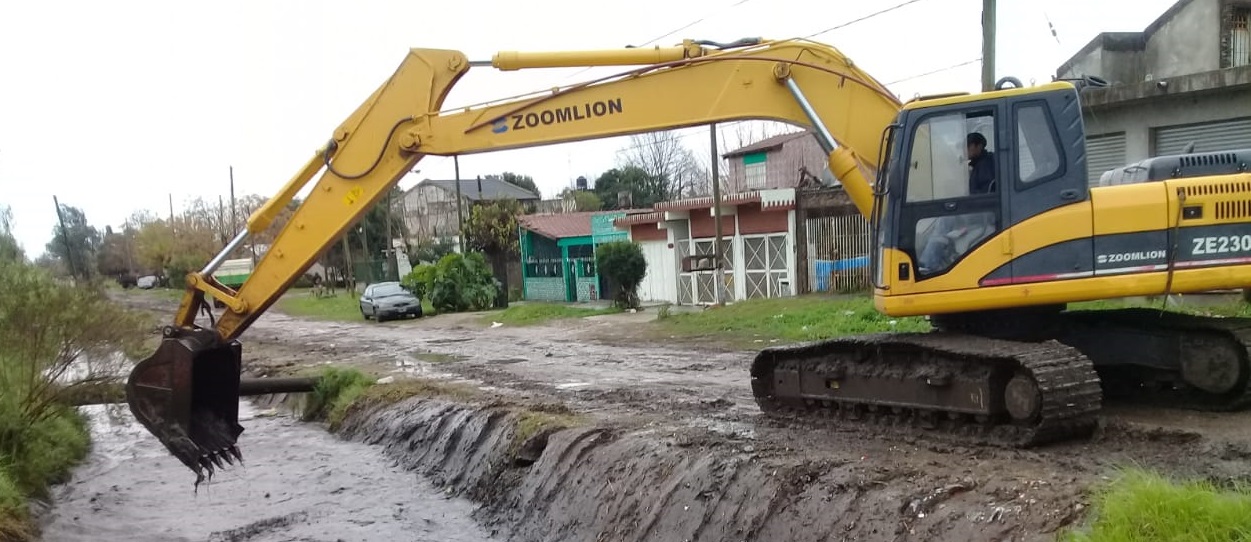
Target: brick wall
[[545, 289]]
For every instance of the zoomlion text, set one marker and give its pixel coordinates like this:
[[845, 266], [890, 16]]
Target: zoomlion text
[[561, 115]]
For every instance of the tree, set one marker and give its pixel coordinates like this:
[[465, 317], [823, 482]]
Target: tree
[[492, 229], [622, 262], [523, 181], [431, 250], [584, 200], [643, 189], [74, 247], [663, 155], [117, 252], [10, 250]]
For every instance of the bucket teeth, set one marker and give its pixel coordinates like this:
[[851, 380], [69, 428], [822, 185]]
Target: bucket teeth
[[187, 395]]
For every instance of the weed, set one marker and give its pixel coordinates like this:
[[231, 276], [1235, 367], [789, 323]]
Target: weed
[[1144, 506], [664, 312]]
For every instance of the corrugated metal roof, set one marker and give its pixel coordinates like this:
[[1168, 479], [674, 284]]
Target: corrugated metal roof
[[766, 144], [492, 189]]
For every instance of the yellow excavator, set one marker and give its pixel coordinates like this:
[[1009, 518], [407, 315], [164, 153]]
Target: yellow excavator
[[993, 257]]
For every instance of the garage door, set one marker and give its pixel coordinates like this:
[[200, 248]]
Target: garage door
[[1207, 137], [1103, 152]]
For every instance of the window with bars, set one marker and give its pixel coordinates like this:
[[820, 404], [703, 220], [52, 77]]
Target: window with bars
[[754, 170], [1240, 37]]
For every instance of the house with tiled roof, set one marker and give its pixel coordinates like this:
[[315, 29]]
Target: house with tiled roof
[[558, 254]]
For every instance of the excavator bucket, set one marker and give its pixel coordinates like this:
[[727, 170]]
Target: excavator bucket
[[187, 395]]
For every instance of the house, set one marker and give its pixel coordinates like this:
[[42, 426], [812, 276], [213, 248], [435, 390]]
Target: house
[[782, 161], [758, 248], [430, 206], [1184, 79], [558, 254]]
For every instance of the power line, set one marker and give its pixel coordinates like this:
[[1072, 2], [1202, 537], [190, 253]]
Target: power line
[[670, 33], [861, 19], [939, 70]]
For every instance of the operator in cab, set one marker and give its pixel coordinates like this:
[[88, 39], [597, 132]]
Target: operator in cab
[[940, 250]]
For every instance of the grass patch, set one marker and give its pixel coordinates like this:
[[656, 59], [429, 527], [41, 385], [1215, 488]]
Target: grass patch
[[805, 318], [334, 393], [32, 457], [343, 306], [537, 313], [1142, 506], [532, 421]]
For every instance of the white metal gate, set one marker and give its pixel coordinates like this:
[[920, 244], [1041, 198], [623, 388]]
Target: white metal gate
[[1208, 136], [838, 253], [764, 265], [1103, 153], [705, 281]]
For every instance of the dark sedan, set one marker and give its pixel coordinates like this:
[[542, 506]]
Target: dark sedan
[[386, 300]]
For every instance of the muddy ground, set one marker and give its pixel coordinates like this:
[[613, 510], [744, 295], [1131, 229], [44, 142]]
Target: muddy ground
[[674, 447]]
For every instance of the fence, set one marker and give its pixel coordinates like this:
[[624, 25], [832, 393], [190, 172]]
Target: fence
[[838, 253]]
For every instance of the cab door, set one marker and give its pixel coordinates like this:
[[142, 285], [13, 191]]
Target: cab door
[[940, 220], [1049, 211]]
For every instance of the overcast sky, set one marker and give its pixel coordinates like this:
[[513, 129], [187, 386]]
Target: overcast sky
[[113, 106]]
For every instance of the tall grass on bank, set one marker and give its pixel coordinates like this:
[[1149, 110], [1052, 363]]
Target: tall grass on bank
[[57, 337], [1141, 506], [335, 391]]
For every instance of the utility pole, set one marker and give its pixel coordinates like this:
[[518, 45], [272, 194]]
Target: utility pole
[[719, 279], [460, 220], [390, 248], [234, 218], [988, 45], [69, 251]]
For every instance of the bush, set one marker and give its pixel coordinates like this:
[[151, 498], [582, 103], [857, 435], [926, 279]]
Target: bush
[[457, 283], [419, 280], [57, 340], [623, 263]]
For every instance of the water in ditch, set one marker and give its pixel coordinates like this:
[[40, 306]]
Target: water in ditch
[[299, 483]]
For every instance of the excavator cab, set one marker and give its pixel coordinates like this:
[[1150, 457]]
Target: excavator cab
[[947, 214]]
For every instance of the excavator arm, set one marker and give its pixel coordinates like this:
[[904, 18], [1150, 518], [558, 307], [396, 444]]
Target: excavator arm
[[187, 392]]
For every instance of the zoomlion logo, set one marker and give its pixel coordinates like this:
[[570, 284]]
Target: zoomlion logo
[[1130, 256]]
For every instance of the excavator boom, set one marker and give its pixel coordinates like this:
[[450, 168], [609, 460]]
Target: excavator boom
[[187, 393]]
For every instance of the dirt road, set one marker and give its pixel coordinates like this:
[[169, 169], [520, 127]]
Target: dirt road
[[895, 481]]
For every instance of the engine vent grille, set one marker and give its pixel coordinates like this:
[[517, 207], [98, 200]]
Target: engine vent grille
[[1233, 210], [1215, 189], [1213, 159]]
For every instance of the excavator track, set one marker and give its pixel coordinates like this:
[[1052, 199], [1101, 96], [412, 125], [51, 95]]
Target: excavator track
[[1017, 394], [1167, 359]]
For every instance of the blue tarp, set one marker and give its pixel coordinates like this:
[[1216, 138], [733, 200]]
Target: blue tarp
[[825, 267]]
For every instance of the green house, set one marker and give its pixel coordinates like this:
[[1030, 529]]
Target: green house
[[558, 254]]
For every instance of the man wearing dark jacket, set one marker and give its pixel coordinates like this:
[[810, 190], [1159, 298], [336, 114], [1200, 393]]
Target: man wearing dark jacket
[[981, 165], [938, 249]]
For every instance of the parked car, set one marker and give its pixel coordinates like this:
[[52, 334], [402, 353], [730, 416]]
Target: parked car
[[385, 300]]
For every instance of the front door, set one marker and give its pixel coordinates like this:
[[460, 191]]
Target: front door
[[953, 200]]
